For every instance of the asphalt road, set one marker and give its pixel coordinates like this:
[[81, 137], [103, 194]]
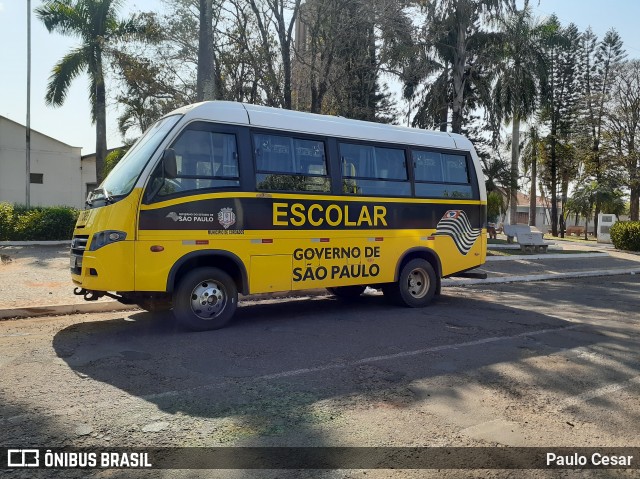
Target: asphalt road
[[547, 364]]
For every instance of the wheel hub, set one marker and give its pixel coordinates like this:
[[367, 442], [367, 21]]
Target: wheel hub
[[418, 283], [208, 299]]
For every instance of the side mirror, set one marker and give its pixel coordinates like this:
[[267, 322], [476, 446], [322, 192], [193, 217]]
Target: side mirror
[[169, 163]]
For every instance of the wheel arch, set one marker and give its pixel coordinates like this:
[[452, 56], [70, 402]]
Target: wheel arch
[[224, 260], [419, 252]]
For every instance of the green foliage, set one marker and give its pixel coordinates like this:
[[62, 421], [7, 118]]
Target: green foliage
[[6, 220], [17, 223], [625, 235], [113, 158], [494, 206]]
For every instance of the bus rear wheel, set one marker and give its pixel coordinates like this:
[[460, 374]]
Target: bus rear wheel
[[416, 285], [205, 299], [347, 292]]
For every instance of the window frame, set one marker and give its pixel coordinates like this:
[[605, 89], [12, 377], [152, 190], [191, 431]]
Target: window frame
[[293, 136], [471, 173], [390, 146], [150, 197]]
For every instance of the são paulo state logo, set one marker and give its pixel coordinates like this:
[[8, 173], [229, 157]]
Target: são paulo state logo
[[226, 217]]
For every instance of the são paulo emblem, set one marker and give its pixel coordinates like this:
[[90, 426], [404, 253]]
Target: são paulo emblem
[[226, 217]]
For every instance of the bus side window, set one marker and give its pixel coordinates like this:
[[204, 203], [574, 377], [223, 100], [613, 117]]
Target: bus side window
[[205, 160], [373, 170], [440, 175], [284, 163]]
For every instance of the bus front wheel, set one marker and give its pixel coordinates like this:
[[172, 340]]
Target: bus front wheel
[[416, 284], [206, 298]]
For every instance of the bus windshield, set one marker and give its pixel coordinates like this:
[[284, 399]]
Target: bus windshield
[[124, 175]]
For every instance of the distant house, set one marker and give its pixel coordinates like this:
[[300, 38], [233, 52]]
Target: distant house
[[59, 175], [543, 210]]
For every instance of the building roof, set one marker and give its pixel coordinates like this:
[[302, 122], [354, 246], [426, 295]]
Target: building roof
[[523, 199], [541, 201], [38, 132]]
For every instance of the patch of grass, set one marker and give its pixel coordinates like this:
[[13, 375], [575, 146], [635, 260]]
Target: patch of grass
[[576, 239], [496, 241]]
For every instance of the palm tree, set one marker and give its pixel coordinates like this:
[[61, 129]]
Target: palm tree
[[457, 64], [521, 75], [96, 24], [531, 155]]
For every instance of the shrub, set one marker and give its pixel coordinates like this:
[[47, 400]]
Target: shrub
[[6, 220], [19, 223], [626, 235]]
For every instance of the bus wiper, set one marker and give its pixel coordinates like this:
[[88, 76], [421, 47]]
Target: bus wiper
[[107, 196]]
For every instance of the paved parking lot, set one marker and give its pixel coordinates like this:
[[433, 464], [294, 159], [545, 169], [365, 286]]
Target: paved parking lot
[[550, 363]]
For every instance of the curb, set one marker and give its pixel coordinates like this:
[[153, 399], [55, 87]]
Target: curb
[[60, 309], [106, 306], [540, 277], [548, 256], [36, 243]]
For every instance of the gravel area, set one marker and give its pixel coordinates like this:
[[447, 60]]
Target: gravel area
[[35, 276]]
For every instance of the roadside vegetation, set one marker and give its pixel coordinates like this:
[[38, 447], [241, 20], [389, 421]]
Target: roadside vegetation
[[18, 223], [625, 235]]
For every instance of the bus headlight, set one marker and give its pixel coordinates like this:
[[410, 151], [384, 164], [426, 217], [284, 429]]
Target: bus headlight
[[103, 238]]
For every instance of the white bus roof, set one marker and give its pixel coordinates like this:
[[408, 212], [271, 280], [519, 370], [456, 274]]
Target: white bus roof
[[324, 125]]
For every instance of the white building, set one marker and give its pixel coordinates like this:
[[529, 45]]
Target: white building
[[59, 176]]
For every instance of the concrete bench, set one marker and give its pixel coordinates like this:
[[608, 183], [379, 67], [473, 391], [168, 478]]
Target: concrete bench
[[529, 241], [512, 231]]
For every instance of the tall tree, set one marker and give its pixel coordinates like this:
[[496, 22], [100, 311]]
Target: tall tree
[[600, 63], [281, 16], [206, 80], [532, 153], [96, 24], [455, 38], [559, 105], [522, 73], [624, 128]]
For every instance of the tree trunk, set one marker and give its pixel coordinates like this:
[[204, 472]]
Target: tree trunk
[[565, 195], [459, 60], [285, 49], [586, 227], [533, 194], [513, 180], [205, 86], [554, 184], [635, 198], [101, 121]]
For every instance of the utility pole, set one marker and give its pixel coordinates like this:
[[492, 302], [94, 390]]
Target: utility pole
[[28, 148]]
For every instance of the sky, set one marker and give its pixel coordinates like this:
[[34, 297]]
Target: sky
[[71, 123]]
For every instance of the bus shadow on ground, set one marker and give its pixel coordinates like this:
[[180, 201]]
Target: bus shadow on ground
[[295, 364]]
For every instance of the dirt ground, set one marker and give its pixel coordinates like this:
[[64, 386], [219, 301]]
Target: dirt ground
[[544, 364]]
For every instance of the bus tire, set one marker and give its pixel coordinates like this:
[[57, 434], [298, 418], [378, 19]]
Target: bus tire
[[347, 292], [205, 299], [416, 285]]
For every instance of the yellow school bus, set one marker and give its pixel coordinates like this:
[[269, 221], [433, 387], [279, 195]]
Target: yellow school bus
[[221, 198]]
